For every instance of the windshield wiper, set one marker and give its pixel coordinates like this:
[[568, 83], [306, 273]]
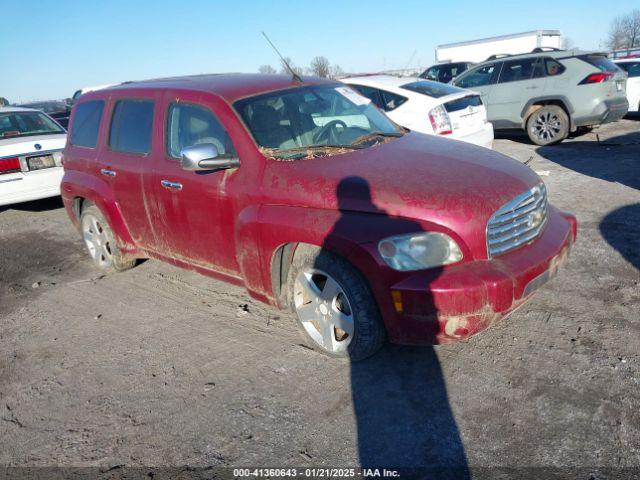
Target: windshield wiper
[[318, 147], [374, 135]]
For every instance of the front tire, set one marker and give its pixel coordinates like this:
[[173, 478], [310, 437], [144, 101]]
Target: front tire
[[548, 125], [336, 311], [101, 243]]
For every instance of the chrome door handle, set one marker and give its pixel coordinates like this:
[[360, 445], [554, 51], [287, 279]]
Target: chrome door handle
[[532, 88], [171, 185], [107, 172]]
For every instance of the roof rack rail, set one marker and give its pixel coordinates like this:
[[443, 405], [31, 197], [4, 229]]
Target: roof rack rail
[[535, 50], [498, 55]]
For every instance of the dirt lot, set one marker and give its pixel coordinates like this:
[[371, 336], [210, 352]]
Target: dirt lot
[[160, 366]]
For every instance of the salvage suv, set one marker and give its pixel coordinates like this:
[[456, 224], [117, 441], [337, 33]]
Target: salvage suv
[[305, 193], [549, 93]]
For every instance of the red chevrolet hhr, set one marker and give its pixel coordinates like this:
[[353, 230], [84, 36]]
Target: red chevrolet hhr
[[306, 194]]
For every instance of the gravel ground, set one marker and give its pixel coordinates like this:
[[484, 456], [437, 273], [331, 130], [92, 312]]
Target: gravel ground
[[161, 366]]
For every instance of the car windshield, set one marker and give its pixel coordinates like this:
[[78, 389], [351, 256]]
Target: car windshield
[[314, 121], [432, 89], [24, 124]]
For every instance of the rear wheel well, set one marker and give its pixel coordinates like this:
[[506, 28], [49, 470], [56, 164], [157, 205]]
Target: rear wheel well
[[536, 105]]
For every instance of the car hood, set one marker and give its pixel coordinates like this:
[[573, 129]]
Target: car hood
[[23, 145], [453, 184]]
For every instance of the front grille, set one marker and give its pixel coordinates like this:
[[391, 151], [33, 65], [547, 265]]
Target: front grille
[[517, 223]]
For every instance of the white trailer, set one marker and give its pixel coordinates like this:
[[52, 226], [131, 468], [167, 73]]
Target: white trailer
[[479, 50]]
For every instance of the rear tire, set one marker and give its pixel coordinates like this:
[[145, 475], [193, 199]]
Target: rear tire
[[548, 125], [101, 243], [336, 311]]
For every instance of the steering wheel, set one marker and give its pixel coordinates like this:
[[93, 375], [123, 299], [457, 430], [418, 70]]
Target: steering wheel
[[328, 130]]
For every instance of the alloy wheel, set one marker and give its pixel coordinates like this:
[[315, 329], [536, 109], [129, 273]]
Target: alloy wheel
[[547, 126], [323, 310], [96, 240]]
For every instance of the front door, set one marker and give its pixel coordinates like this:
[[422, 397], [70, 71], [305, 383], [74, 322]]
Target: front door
[[191, 212]]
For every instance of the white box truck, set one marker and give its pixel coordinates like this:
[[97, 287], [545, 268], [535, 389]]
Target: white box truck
[[477, 51]]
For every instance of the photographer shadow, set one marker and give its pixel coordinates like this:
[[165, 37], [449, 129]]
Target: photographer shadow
[[404, 420]]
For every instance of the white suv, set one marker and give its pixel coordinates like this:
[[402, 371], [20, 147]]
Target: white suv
[[428, 107]]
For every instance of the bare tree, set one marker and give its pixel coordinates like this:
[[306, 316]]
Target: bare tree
[[336, 71], [285, 70], [625, 31], [267, 70], [320, 67]]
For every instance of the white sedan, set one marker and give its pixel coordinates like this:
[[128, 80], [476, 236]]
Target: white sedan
[[428, 107], [632, 67], [31, 145]]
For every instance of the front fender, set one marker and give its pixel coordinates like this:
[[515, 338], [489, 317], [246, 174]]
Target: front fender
[[77, 184], [351, 235]]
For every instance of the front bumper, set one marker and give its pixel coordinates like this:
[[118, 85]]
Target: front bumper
[[459, 301], [605, 112], [26, 186]]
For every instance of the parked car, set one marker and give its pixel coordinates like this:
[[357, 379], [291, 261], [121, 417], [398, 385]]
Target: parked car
[[57, 110], [309, 196], [445, 72], [549, 94], [632, 67], [31, 146], [428, 107]]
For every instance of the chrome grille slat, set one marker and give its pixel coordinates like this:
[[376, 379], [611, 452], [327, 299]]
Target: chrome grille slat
[[518, 222]]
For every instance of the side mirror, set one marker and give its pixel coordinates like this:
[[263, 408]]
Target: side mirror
[[205, 157]]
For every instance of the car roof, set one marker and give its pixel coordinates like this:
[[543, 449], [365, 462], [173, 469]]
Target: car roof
[[17, 109], [229, 86], [382, 80]]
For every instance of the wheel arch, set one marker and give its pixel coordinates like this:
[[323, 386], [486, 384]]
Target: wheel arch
[[536, 103]]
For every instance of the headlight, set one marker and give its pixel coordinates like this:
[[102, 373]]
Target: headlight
[[418, 251]]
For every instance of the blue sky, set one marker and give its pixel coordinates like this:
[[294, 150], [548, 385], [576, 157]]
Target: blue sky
[[49, 49]]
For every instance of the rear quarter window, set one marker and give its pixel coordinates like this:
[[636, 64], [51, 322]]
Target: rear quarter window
[[131, 126], [86, 124]]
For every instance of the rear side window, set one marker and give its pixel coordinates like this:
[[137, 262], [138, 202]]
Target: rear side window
[[131, 125], [601, 62], [431, 89], [387, 101], [371, 93], [189, 125], [632, 68], [391, 101], [516, 70], [86, 124]]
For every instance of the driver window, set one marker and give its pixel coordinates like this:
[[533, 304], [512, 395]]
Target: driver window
[[476, 78], [189, 125]]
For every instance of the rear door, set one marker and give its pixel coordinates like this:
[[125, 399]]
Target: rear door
[[519, 81], [127, 153]]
